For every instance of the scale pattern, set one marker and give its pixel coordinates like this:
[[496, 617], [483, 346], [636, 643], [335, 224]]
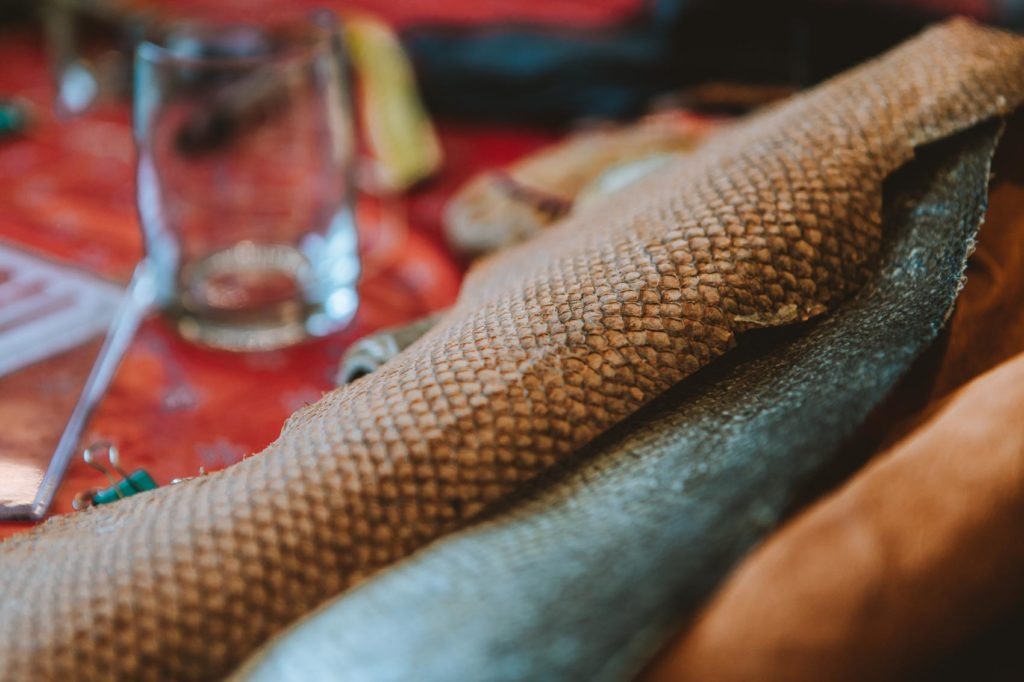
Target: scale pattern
[[550, 344]]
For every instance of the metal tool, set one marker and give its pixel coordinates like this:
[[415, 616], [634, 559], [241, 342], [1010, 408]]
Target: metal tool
[[138, 300]]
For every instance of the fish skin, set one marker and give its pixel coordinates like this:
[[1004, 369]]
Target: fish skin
[[586, 573]]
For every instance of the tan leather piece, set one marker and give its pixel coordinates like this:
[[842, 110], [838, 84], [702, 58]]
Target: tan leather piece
[[497, 209], [917, 553], [988, 325], [550, 344]]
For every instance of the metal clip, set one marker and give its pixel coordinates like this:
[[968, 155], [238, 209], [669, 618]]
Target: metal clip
[[134, 483]]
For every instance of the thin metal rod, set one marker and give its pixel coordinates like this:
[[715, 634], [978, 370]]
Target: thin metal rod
[[138, 300]]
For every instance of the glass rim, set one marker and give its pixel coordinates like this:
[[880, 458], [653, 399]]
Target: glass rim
[[316, 38]]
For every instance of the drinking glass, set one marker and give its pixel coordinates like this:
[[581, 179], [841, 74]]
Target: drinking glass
[[245, 156]]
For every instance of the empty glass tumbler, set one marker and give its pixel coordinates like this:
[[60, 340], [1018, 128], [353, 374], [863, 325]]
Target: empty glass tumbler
[[245, 155]]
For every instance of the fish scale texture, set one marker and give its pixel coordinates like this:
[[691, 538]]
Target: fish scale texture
[[550, 344]]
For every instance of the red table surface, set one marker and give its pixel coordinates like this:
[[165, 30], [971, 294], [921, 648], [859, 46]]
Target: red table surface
[[67, 190]]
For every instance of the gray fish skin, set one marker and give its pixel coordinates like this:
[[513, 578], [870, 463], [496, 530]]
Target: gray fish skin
[[589, 571]]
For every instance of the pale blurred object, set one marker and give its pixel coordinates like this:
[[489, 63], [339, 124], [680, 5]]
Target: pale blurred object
[[497, 209], [46, 309], [90, 65], [400, 135]]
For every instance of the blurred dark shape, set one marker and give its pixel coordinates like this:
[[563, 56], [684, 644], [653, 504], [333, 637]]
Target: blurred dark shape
[[15, 117], [723, 98], [232, 109], [544, 75], [551, 75]]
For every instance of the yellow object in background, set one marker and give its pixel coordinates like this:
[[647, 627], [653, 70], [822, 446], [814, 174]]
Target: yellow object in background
[[400, 134]]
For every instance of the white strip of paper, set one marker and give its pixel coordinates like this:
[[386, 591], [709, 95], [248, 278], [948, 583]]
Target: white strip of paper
[[46, 308]]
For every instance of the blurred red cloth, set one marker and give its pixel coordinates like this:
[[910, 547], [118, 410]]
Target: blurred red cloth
[[67, 190]]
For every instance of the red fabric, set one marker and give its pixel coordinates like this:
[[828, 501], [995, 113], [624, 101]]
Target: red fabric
[[67, 190]]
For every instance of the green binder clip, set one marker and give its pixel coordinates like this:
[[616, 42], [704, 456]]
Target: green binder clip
[[134, 483]]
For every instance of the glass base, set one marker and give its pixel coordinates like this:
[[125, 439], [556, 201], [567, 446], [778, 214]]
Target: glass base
[[254, 297]]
